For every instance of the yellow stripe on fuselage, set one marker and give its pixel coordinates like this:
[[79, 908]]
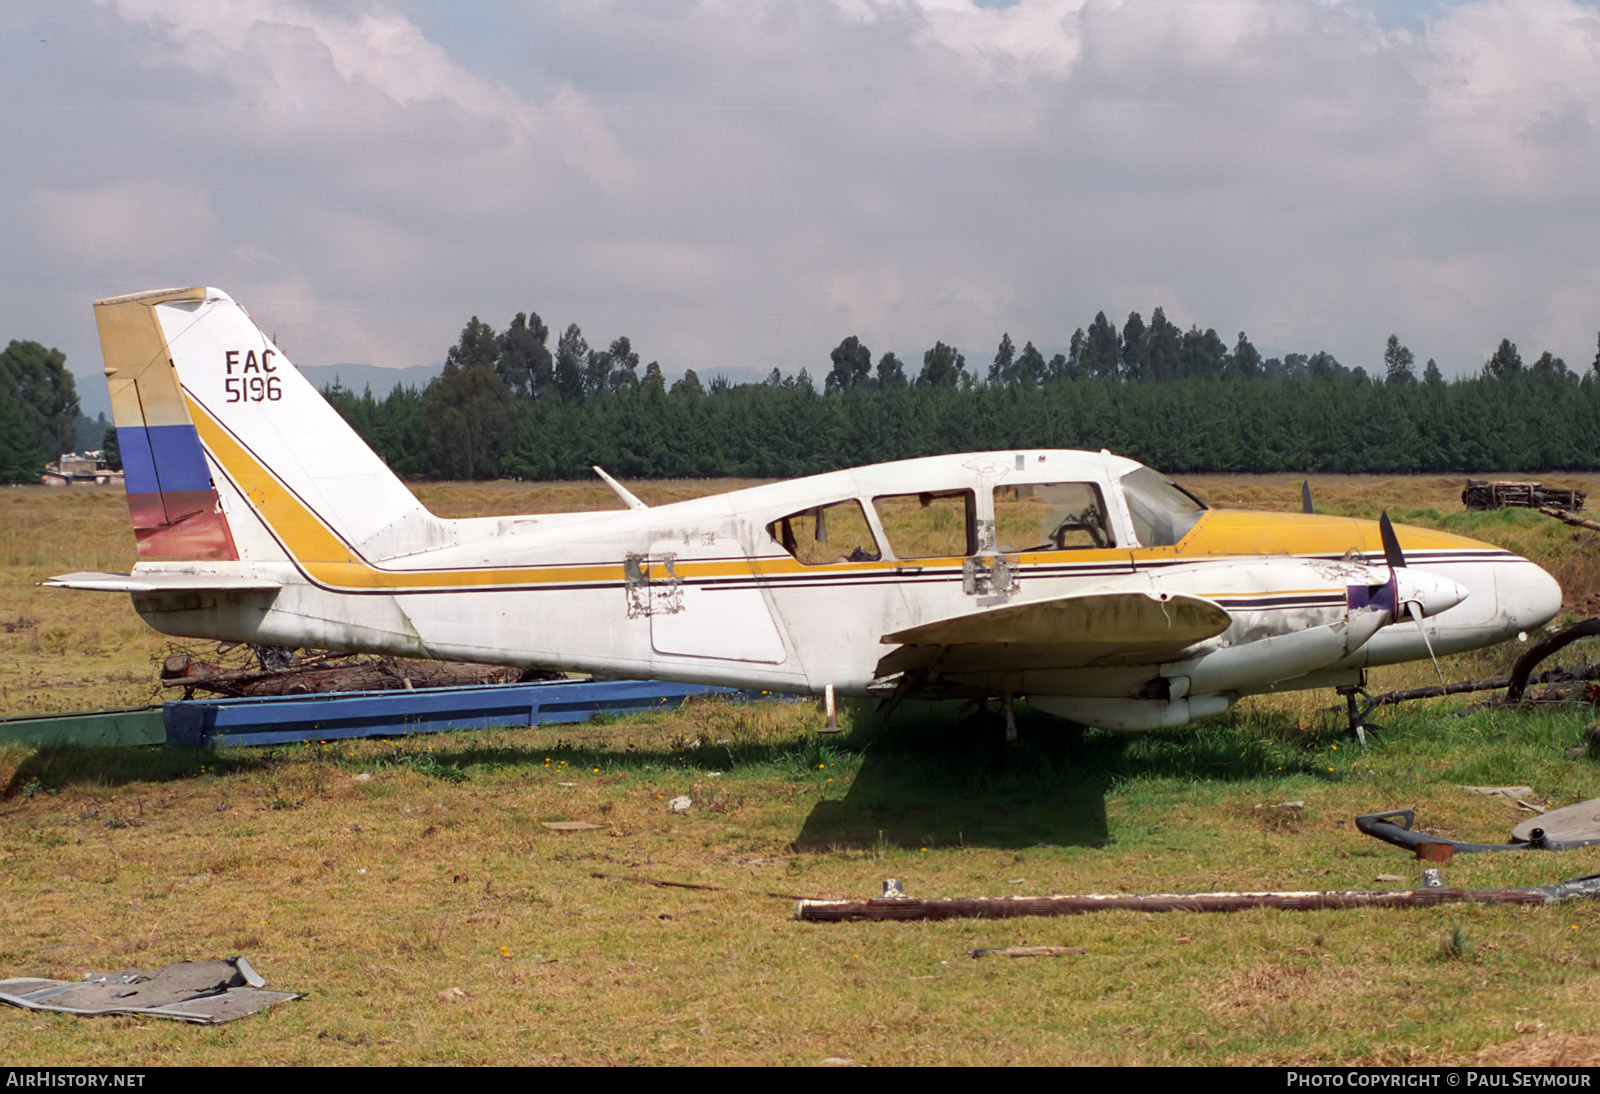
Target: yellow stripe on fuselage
[[329, 561]]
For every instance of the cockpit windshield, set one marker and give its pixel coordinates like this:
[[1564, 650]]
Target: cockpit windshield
[[1162, 511]]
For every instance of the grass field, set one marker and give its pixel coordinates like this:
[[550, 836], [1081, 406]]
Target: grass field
[[412, 889]]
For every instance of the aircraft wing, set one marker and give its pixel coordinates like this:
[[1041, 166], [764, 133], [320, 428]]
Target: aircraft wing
[[1069, 631], [163, 582]]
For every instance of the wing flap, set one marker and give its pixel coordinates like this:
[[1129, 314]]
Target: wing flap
[[1113, 619], [1110, 628]]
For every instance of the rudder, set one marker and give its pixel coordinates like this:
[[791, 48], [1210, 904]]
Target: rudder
[[172, 498], [209, 397]]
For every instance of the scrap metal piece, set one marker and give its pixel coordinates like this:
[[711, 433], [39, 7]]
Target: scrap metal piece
[[1498, 494], [204, 992], [1579, 828], [1570, 826]]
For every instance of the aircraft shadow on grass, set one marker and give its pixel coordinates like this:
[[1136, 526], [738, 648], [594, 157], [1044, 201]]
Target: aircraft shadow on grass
[[930, 779], [927, 778]]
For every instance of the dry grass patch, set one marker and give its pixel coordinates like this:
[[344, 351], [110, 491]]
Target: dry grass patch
[[413, 887], [437, 920]]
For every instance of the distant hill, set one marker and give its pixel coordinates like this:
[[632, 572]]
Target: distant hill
[[358, 377]]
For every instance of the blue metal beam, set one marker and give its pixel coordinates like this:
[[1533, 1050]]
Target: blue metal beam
[[206, 723]]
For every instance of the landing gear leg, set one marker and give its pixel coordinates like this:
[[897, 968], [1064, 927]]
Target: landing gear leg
[[1011, 718], [1358, 728]]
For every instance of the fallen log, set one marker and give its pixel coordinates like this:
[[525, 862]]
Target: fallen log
[[1522, 674], [329, 673], [1559, 675], [1518, 682], [905, 908], [1568, 518]]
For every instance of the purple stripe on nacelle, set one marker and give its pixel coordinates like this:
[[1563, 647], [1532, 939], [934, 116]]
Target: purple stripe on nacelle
[[1383, 598]]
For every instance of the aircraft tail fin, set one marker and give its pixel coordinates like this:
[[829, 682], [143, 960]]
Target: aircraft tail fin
[[229, 453], [171, 495]]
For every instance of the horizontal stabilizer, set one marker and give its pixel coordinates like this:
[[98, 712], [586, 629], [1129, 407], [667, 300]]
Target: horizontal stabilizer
[[163, 582], [1091, 619]]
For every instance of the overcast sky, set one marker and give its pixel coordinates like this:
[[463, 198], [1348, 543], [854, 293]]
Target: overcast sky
[[738, 185]]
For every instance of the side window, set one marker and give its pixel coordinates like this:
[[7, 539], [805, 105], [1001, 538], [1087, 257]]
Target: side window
[[827, 534], [931, 525], [1050, 516]]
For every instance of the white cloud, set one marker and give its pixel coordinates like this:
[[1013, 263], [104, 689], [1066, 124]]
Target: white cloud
[[739, 185], [121, 222], [1513, 91], [308, 74], [1011, 42]]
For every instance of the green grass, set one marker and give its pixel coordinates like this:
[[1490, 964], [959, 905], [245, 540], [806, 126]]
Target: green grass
[[378, 874]]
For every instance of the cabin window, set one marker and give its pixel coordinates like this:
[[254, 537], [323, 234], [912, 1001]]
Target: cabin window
[[827, 534], [1162, 511], [1050, 516], [939, 524]]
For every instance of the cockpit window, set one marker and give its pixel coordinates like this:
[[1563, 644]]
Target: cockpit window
[[930, 525], [827, 534], [1050, 516], [1162, 511]]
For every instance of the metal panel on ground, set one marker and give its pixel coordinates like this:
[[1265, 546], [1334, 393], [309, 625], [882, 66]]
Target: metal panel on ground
[[130, 726], [229, 722]]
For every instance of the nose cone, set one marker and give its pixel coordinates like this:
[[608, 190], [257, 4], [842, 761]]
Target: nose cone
[[1528, 596]]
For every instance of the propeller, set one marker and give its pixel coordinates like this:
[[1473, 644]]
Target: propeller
[[1391, 543], [1305, 497], [1418, 594]]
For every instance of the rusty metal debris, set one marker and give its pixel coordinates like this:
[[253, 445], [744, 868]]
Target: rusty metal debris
[[1498, 494], [273, 671], [1396, 827], [1564, 829], [203, 992]]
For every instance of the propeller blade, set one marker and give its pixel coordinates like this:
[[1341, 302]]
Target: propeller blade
[[1416, 613], [1391, 544], [1305, 496]]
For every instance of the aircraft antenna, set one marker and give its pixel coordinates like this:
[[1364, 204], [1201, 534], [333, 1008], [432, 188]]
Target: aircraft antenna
[[621, 491]]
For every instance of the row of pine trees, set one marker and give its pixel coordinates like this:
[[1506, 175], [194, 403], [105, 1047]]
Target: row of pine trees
[[507, 405]]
